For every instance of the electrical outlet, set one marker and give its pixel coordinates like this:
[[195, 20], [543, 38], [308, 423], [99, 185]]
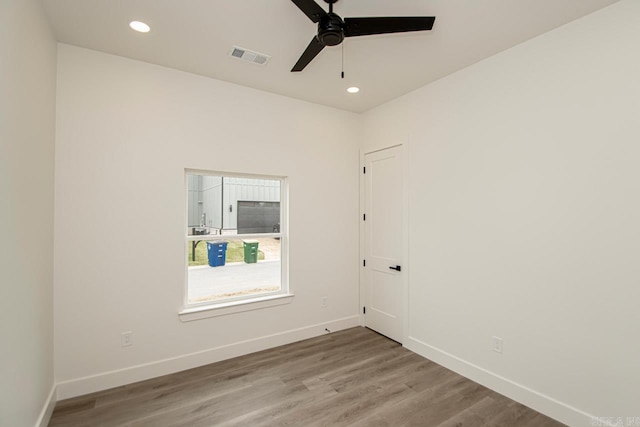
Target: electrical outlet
[[324, 302], [497, 344], [126, 339]]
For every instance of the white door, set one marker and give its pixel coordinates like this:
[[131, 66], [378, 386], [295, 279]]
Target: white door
[[383, 245]]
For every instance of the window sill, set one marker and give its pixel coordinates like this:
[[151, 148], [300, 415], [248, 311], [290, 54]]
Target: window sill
[[222, 309]]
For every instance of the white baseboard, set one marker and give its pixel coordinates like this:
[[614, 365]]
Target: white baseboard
[[47, 409], [544, 404], [107, 380]]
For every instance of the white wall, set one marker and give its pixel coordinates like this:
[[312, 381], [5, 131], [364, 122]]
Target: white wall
[[27, 120], [123, 125], [525, 216]]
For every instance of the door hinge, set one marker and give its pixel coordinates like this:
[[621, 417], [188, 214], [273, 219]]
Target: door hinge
[[364, 169], [364, 217], [364, 262], [364, 310]]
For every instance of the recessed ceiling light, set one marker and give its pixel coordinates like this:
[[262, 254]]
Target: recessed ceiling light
[[139, 26], [353, 89]]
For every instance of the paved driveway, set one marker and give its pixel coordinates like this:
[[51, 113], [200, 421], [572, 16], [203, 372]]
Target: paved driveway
[[205, 281]]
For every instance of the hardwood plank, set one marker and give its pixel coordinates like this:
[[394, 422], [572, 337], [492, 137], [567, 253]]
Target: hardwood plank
[[71, 406], [217, 410], [243, 365], [348, 378], [472, 416]]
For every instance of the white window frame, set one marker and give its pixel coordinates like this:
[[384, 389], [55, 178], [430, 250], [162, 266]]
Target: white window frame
[[195, 311]]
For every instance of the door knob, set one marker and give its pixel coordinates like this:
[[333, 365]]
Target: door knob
[[396, 268]]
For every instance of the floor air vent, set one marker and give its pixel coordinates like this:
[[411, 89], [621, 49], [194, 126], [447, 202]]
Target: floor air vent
[[249, 56]]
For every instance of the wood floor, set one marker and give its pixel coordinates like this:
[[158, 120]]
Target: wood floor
[[349, 378]]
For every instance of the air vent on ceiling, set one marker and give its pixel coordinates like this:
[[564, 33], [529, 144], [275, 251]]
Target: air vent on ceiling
[[248, 55]]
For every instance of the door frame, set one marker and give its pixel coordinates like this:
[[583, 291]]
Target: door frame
[[404, 232]]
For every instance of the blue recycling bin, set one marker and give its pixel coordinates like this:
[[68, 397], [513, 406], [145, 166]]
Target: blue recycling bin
[[217, 253]]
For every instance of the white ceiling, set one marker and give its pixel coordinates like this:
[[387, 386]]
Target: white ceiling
[[196, 36]]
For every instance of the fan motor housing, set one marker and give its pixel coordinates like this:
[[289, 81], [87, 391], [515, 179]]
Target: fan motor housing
[[330, 31]]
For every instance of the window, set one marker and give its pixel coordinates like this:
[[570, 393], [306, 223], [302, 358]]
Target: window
[[236, 241]]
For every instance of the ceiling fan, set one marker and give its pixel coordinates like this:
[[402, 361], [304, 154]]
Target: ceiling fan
[[332, 29]]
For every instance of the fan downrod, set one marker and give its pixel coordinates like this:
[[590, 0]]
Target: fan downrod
[[331, 2]]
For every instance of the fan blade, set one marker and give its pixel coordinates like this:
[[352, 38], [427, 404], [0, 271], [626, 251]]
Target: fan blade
[[311, 9], [368, 26], [311, 52]]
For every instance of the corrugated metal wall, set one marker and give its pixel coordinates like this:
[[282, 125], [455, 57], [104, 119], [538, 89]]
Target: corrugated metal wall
[[193, 196], [204, 196], [246, 189]]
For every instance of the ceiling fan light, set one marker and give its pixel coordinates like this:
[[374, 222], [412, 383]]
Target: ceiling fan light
[[140, 27]]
